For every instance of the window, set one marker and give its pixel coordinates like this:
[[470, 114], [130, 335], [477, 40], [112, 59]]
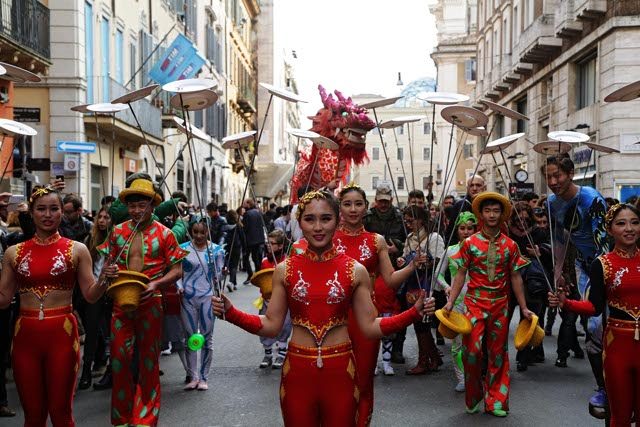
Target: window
[[374, 182], [469, 71], [180, 175], [104, 51], [198, 118], [88, 44], [119, 57], [375, 153], [496, 48], [401, 130], [425, 182], [146, 46], [521, 107], [426, 128], [467, 151], [499, 125], [133, 62], [400, 153], [97, 179], [401, 183], [586, 81], [426, 153]]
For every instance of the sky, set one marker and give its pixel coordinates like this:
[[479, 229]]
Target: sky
[[357, 46]]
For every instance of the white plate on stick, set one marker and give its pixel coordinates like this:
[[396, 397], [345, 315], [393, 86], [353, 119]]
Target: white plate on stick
[[408, 119], [193, 132], [501, 143], [552, 148], [624, 94], [82, 108], [189, 85], [442, 98], [324, 142], [507, 112], [465, 117], [135, 95], [568, 136], [477, 131], [282, 93], [17, 74], [107, 107], [194, 101], [379, 103], [12, 128], [238, 140], [302, 133], [601, 148]]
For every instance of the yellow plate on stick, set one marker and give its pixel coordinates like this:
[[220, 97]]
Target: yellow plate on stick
[[263, 280], [525, 332], [456, 322]]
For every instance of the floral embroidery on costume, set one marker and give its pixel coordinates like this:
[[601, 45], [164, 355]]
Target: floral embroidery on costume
[[340, 247], [336, 291], [59, 265], [618, 279], [365, 252], [300, 291], [23, 267]]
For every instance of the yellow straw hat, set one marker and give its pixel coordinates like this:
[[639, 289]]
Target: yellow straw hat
[[525, 331], [538, 337], [263, 280], [143, 187], [457, 322], [486, 195], [446, 332], [126, 289]]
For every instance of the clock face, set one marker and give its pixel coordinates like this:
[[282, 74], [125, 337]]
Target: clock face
[[521, 175]]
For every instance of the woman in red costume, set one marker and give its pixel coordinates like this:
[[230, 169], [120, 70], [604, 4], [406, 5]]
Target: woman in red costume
[[370, 250], [615, 282], [319, 287], [45, 353]]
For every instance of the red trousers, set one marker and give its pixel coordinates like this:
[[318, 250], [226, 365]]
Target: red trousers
[[136, 402], [312, 396], [45, 359], [621, 359], [489, 320], [365, 351]]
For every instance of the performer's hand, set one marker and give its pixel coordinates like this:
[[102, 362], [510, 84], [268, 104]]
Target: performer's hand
[[526, 313], [148, 293], [400, 262], [58, 185], [109, 271], [420, 261], [429, 307], [557, 299], [220, 305], [448, 306]]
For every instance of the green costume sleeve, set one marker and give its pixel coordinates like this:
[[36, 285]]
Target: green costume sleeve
[[166, 208], [180, 230], [118, 212]]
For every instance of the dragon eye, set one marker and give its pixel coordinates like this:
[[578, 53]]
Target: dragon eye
[[345, 114]]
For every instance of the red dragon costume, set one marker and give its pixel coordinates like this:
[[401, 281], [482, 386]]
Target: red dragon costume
[[345, 123]]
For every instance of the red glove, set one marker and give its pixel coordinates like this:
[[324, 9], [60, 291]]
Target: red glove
[[249, 322], [584, 308], [393, 324]]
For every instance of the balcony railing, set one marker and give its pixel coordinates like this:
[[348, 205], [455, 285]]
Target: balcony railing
[[149, 116], [538, 41], [26, 23]]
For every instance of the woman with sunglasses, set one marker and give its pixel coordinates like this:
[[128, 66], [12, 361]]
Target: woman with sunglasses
[[46, 348], [615, 285], [319, 287]]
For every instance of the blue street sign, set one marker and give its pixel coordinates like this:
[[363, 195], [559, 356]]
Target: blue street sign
[[75, 147]]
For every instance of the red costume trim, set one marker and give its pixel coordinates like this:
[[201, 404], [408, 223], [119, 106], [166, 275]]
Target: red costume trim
[[48, 312], [393, 324], [249, 322]]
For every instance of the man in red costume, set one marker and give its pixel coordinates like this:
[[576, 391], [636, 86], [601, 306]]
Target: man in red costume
[[492, 260], [146, 246]]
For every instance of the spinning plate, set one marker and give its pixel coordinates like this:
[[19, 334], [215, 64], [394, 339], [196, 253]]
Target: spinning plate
[[281, 93], [568, 136], [601, 148], [442, 98], [106, 107], [17, 74], [238, 140], [551, 148], [302, 133], [135, 95], [389, 124], [193, 132], [324, 142], [501, 143], [12, 128], [379, 103], [507, 112], [626, 93], [478, 131], [465, 117], [189, 85], [82, 108], [194, 101], [408, 119]]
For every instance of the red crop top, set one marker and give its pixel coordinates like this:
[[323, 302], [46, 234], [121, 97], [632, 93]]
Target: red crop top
[[45, 266], [360, 245], [319, 290]]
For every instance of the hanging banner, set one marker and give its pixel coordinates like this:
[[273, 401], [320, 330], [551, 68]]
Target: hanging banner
[[180, 61]]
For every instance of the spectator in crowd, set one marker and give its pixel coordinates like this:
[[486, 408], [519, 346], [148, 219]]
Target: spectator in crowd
[[252, 222], [531, 199], [449, 200], [217, 223], [475, 186], [234, 240]]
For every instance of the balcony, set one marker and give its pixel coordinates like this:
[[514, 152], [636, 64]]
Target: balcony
[[125, 127], [590, 9], [538, 42], [24, 34], [247, 100], [566, 24]]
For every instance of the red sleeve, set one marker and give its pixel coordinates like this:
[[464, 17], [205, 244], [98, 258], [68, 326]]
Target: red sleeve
[[249, 322], [584, 308], [265, 263], [173, 253], [393, 324]]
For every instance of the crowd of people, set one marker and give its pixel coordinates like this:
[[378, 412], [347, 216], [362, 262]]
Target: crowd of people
[[346, 280]]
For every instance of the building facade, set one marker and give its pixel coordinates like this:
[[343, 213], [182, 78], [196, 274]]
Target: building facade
[[408, 148], [455, 59], [555, 61]]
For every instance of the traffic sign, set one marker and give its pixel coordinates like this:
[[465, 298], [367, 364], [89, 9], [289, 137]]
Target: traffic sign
[[71, 162], [75, 147]]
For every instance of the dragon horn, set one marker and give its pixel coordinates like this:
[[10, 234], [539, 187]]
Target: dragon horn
[[323, 95], [340, 95]]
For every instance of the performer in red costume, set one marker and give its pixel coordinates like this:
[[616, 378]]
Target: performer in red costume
[[615, 282], [46, 353], [370, 250], [318, 287]]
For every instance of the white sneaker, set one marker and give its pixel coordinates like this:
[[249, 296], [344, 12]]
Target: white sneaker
[[388, 369], [166, 352], [460, 387], [376, 371]]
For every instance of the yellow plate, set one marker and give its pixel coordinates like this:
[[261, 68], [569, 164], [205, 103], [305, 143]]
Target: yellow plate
[[455, 321], [525, 331]]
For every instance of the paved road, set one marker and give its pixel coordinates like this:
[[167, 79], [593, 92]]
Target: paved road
[[240, 394]]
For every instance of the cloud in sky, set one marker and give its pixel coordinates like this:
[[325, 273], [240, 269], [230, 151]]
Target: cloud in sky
[[357, 46]]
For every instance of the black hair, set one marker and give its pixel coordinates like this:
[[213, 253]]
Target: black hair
[[527, 197], [136, 198], [348, 189], [212, 206], [562, 161], [74, 200], [179, 195], [107, 200], [490, 202], [302, 191], [416, 194]]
